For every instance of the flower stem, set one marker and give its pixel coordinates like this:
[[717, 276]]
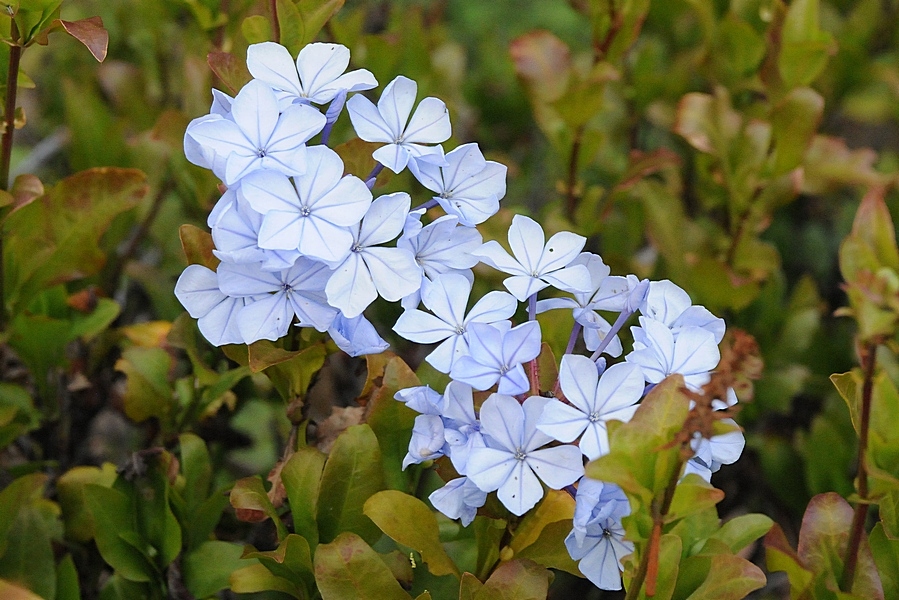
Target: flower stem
[[426, 206], [12, 77], [860, 515], [648, 570], [575, 332], [616, 327], [373, 176]]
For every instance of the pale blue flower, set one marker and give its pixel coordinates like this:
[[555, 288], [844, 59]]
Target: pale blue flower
[[693, 353], [469, 186], [459, 499], [447, 298], [421, 398], [312, 215], [390, 124], [441, 246], [295, 292], [236, 236], [606, 292], [597, 540], [462, 429], [356, 336], [514, 459], [721, 449], [427, 441], [594, 401], [256, 136], [198, 291], [536, 265], [370, 270], [496, 353], [668, 303], [317, 76]]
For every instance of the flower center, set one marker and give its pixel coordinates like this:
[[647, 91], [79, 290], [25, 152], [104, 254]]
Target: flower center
[[357, 248], [606, 533], [260, 152], [460, 329], [593, 417], [305, 211], [520, 454]]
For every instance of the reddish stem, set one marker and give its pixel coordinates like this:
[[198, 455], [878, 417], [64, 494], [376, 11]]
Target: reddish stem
[[860, 515]]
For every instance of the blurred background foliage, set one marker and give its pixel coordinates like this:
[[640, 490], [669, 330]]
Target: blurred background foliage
[[724, 144]]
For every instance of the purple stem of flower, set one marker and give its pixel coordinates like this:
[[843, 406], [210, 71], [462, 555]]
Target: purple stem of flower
[[333, 112], [575, 332], [532, 307], [571, 490], [616, 327], [649, 387], [370, 180], [427, 205], [601, 365]]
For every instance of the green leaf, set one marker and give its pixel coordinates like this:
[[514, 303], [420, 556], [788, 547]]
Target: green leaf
[[805, 49], [488, 535], [230, 70], [27, 558], [779, 556], [794, 121], [549, 548], [469, 587], [301, 476], [67, 587], [256, 578], [156, 521], [314, 14], [55, 238], [292, 561], [557, 505], [252, 504], [18, 414], [729, 578], [148, 392], [348, 569], [636, 462], [290, 24], [290, 372], [741, 531], [114, 517], [208, 567], [886, 557], [516, 580], [198, 246], [256, 29], [693, 494], [408, 521], [392, 421], [823, 540], [352, 474], [79, 523], [738, 49]]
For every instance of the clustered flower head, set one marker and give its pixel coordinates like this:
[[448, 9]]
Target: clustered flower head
[[304, 244]]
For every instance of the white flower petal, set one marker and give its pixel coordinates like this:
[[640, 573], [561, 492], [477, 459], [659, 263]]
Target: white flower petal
[[430, 124], [272, 63]]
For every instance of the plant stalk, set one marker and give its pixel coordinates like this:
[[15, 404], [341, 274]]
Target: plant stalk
[[12, 77], [647, 572], [276, 26], [860, 515]]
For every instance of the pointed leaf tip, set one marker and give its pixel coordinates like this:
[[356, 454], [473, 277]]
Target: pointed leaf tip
[[91, 33]]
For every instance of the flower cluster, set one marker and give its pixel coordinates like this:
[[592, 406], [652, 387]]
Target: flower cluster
[[518, 441], [302, 243]]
